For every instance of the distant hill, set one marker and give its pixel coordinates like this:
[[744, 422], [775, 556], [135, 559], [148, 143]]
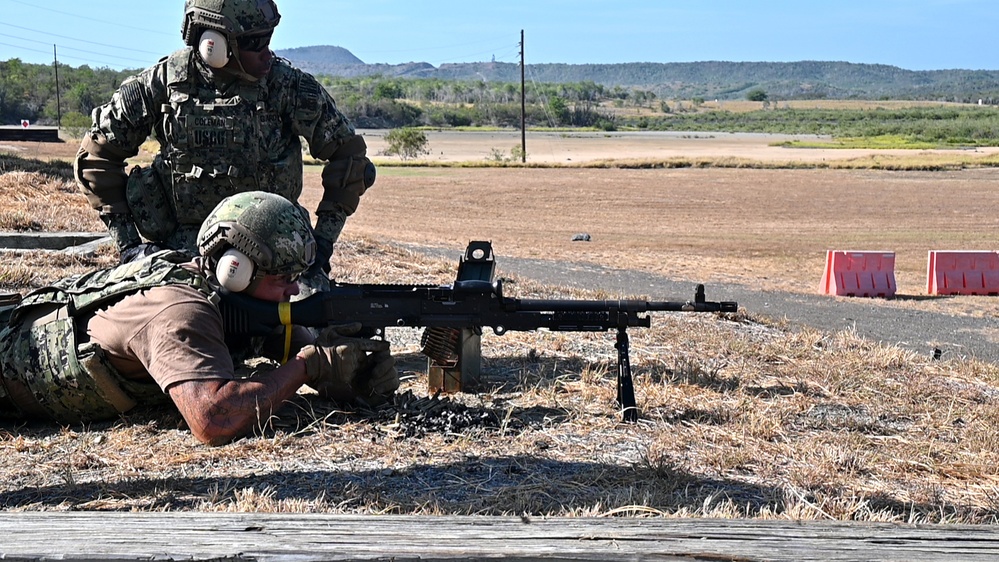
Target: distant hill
[[709, 79], [321, 54]]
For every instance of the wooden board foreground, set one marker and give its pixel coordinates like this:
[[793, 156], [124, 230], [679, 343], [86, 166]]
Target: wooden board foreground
[[304, 537]]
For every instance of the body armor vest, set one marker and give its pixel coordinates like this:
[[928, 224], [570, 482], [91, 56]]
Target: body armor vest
[[217, 143], [45, 350]]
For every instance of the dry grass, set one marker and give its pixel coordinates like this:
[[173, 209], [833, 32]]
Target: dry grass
[[41, 196], [741, 417], [926, 161], [741, 106]]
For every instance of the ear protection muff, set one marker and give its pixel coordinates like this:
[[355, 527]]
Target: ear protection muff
[[213, 48], [235, 270]]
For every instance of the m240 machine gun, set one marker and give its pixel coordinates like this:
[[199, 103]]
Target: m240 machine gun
[[455, 314]]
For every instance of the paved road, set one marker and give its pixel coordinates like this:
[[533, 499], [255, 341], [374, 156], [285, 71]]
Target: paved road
[[920, 331]]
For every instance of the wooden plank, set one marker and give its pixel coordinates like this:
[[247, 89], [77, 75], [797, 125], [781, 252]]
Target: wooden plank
[[302, 537]]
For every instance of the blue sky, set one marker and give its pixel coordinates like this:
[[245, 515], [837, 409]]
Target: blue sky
[[911, 34]]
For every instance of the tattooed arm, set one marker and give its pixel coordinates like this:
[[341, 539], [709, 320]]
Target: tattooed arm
[[175, 336], [218, 411]]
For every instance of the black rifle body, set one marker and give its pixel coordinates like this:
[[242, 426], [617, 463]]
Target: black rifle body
[[465, 304]]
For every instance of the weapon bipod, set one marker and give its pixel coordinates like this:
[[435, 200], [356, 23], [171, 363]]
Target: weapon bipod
[[625, 384], [455, 355]]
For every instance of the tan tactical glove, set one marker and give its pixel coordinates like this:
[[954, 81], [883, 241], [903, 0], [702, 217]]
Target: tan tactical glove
[[345, 178], [379, 382], [346, 368]]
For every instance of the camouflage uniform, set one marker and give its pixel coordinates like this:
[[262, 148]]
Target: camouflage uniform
[[223, 128], [217, 137], [49, 369], [228, 117]]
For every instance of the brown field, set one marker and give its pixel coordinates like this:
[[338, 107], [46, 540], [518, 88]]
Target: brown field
[[740, 416], [764, 228], [761, 226], [768, 228]]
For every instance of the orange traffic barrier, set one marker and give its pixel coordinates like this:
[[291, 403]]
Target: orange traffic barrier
[[859, 274], [962, 273]]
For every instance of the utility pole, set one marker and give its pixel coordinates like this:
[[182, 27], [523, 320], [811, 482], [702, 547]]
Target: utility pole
[[55, 65], [523, 105]]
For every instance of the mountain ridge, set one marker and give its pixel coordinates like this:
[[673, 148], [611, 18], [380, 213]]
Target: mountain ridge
[[705, 79]]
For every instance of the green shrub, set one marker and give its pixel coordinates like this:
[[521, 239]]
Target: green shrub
[[406, 143]]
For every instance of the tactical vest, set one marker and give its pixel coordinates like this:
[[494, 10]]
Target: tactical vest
[[217, 144], [44, 348]]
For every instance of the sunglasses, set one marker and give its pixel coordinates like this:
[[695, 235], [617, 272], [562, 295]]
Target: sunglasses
[[254, 43], [284, 279]]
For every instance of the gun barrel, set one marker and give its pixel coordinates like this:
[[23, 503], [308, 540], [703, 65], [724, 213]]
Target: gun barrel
[[544, 305], [466, 305]]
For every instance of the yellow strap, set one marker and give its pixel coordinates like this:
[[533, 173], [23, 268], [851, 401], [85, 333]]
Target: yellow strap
[[284, 313]]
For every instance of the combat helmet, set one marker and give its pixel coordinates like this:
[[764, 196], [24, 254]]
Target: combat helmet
[[266, 228], [231, 18]]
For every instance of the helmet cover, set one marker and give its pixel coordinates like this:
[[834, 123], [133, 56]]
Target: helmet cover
[[272, 231], [231, 18]]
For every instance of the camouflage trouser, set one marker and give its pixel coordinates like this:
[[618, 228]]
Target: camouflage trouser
[[46, 374], [185, 239], [122, 230]]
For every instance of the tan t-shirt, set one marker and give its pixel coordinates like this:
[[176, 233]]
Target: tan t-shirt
[[171, 333]]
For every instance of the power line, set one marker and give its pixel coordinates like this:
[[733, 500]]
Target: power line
[[441, 47], [465, 56], [63, 48], [26, 48], [117, 47], [511, 56], [546, 109], [108, 22]]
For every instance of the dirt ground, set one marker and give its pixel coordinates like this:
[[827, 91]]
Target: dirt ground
[[740, 417], [579, 147], [763, 227]]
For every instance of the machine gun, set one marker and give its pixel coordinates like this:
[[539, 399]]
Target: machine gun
[[466, 305]]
